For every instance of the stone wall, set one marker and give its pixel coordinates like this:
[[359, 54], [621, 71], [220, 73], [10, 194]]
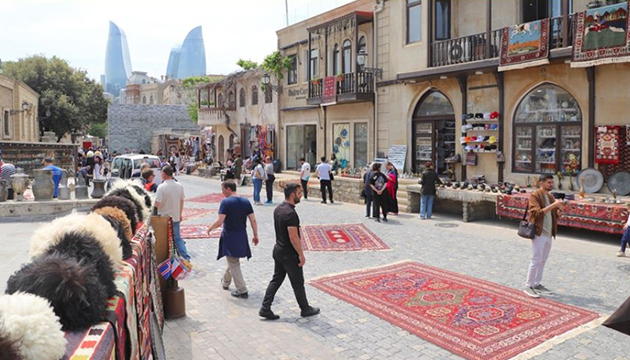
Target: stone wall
[[344, 189], [132, 126]]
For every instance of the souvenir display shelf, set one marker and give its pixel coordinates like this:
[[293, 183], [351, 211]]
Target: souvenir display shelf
[[30, 156]]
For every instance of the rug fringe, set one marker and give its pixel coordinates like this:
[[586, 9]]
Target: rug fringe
[[359, 270], [549, 344], [612, 60], [524, 65]]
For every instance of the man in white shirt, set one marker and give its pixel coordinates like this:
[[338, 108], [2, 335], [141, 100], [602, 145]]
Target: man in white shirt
[[323, 173], [305, 176], [169, 200]]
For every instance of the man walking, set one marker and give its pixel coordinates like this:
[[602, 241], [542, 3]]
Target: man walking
[[305, 176], [169, 200], [323, 172], [270, 179], [543, 213], [288, 255], [233, 214]]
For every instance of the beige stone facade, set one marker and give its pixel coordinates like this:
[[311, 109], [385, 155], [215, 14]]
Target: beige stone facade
[[18, 110]]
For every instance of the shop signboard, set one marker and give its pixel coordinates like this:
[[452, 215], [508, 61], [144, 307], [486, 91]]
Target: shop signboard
[[397, 155], [330, 91]]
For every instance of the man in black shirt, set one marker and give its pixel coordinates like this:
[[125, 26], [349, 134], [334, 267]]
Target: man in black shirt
[[288, 255]]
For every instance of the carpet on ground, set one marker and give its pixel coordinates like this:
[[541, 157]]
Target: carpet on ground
[[470, 317], [195, 213], [198, 231], [214, 198], [340, 237], [525, 45]]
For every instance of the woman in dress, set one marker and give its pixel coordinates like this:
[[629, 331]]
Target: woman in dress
[[98, 168], [392, 188]]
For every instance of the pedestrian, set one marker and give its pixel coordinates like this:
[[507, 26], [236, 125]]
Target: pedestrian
[[271, 177], [258, 176], [334, 163], [378, 183], [305, 176], [147, 180], [83, 172], [56, 174], [89, 161], [238, 168], [367, 177], [169, 201], [178, 163], [6, 171], [322, 171], [288, 255], [543, 212], [429, 181], [392, 188], [98, 167], [625, 238], [233, 214]]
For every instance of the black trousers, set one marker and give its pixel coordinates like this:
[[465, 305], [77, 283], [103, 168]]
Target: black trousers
[[305, 188], [380, 201], [286, 265], [269, 187], [323, 184]]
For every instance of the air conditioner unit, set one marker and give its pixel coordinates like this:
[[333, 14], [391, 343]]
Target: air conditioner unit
[[458, 53]]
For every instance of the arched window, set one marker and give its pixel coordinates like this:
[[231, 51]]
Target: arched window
[[151, 100], [346, 61], [241, 98], [231, 100], [144, 99], [362, 45], [336, 61], [254, 95], [220, 101], [432, 104], [231, 142], [268, 95], [221, 148], [547, 131]]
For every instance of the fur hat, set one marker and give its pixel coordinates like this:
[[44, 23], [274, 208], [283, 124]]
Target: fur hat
[[148, 200], [93, 224], [85, 248], [30, 323], [137, 200], [119, 202], [73, 289], [124, 243]]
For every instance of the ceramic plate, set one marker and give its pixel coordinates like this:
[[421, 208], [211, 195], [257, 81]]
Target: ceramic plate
[[619, 182], [593, 180]]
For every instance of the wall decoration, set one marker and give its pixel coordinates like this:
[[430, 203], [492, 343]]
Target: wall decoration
[[607, 144], [525, 45], [341, 142]]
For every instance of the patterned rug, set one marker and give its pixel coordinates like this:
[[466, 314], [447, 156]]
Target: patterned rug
[[195, 213], [213, 198], [198, 232], [607, 144], [472, 318], [525, 45], [342, 237]]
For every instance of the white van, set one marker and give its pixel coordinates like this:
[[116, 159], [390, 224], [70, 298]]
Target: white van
[[128, 166]]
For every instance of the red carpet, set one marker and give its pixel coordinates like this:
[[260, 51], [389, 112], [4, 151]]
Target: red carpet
[[214, 198], [472, 318], [198, 232], [194, 213], [342, 237]]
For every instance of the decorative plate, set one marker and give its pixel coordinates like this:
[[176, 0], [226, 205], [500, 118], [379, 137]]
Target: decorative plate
[[620, 182], [593, 180]]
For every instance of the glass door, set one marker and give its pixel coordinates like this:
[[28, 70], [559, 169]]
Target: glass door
[[444, 144], [301, 142], [422, 144]]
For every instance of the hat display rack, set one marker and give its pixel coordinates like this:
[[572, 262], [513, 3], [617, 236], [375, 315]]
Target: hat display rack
[[480, 132]]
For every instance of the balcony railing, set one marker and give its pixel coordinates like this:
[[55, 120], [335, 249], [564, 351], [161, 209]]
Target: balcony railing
[[473, 47], [351, 87]]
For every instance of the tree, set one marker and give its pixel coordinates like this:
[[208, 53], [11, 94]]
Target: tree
[[247, 64], [98, 130], [71, 100]]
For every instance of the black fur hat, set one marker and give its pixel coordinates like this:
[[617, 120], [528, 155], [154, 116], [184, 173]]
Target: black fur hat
[[142, 192], [127, 195], [120, 231], [73, 288], [122, 203], [84, 247], [9, 349]]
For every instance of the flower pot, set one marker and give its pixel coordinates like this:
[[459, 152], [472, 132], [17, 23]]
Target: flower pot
[[43, 185], [19, 184], [4, 192], [99, 188]]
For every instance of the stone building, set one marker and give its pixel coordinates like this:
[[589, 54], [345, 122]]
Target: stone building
[[18, 107], [143, 89]]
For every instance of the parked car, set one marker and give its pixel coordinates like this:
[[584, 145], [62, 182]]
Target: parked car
[[128, 166]]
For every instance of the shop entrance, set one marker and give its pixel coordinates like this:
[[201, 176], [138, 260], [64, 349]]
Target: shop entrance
[[301, 142], [433, 138]]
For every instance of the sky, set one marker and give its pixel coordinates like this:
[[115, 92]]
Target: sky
[[76, 30]]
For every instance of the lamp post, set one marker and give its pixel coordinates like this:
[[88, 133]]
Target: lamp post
[[362, 60], [266, 81], [26, 106]]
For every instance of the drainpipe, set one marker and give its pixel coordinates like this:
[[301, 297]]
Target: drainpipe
[[377, 9]]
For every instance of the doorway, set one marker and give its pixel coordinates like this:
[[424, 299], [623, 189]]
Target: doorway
[[433, 130], [301, 142]]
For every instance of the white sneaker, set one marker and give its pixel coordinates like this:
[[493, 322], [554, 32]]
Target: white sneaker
[[621, 254]]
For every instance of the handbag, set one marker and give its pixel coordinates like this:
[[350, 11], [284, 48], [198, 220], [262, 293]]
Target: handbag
[[175, 267], [332, 177], [526, 229]]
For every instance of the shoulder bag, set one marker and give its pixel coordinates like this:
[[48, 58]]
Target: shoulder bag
[[526, 229]]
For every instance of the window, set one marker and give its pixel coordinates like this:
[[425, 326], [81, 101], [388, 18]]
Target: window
[[547, 131], [346, 61], [541, 9], [360, 145], [414, 21], [6, 125], [293, 71], [341, 143], [241, 98], [314, 63], [231, 142], [305, 63], [268, 95], [144, 99], [336, 68], [220, 101], [231, 100], [442, 19], [254, 95], [151, 100]]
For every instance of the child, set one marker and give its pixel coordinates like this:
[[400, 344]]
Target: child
[[625, 239]]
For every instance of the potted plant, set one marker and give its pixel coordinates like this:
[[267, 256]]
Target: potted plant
[[316, 81], [340, 77]]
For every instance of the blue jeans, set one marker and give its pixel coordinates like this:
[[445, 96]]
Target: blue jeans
[[179, 242], [625, 239], [426, 206], [368, 202], [257, 188]]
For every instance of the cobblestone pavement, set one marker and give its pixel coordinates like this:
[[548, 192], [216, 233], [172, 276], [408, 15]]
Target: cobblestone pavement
[[582, 271]]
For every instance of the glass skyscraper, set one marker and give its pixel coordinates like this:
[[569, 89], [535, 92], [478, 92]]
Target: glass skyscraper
[[117, 61], [189, 59]]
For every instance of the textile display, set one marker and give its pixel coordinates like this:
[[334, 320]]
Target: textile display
[[525, 45], [208, 198], [95, 343], [195, 213], [624, 155], [156, 291], [116, 315], [607, 144], [341, 141], [601, 36], [342, 237], [608, 218], [198, 231], [125, 284], [472, 318]]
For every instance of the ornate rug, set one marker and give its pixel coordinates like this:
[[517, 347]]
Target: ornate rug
[[213, 198], [607, 144], [195, 213], [198, 231], [525, 45], [342, 237], [601, 36], [472, 318]]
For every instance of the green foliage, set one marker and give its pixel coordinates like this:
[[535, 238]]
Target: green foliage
[[247, 64], [193, 112], [98, 130], [195, 80], [73, 100], [275, 64]]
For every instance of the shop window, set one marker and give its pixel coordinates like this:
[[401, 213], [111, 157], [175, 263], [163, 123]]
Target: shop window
[[268, 95], [442, 19], [314, 63], [341, 143], [336, 69], [433, 132], [6, 126], [414, 21], [241, 98], [346, 60], [254, 95], [360, 145], [547, 131], [293, 71], [435, 103]]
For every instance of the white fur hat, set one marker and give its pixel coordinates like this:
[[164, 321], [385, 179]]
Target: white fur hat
[[30, 321], [93, 224], [128, 184]]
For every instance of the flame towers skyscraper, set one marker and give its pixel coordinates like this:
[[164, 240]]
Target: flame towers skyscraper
[[117, 61], [189, 59]]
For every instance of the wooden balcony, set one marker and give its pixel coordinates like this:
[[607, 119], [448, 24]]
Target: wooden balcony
[[353, 87]]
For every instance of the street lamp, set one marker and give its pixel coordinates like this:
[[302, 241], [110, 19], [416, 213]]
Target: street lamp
[[26, 106], [266, 81], [362, 61]]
